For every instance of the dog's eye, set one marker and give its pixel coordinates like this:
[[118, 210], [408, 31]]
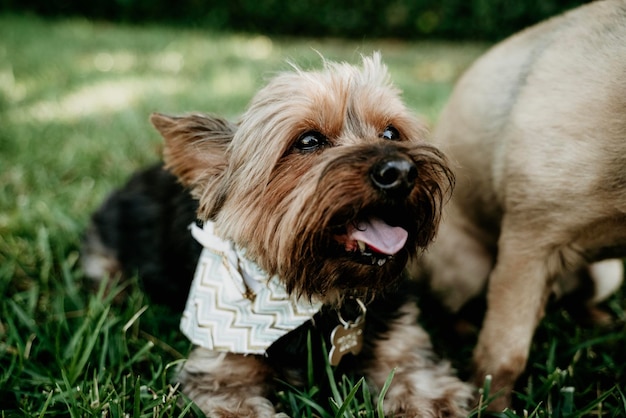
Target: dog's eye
[[310, 141], [391, 133]]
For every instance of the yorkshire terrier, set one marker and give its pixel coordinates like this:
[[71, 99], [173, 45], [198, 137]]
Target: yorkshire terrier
[[308, 210]]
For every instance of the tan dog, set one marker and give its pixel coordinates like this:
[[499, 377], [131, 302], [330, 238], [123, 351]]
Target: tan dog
[[536, 130]]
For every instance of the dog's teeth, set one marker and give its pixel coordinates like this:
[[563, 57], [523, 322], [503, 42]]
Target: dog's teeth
[[362, 246], [382, 261]]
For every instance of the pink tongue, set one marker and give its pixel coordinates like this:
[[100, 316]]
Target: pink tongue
[[379, 236]]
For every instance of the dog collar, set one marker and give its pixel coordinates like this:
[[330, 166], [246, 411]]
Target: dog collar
[[233, 305]]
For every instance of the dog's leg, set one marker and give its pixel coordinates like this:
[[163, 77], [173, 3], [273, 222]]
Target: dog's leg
[[519, 287], [459, 265], [607, 277], [422, 386], [228, 385], [97, 259], [583, 290]]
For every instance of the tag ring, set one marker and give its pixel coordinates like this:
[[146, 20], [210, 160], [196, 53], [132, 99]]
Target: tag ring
[[359, 319]]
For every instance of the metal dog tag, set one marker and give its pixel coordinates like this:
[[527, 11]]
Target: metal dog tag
[[347, 337]]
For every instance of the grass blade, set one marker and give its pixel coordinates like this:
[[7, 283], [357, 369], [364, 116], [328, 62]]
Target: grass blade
[[84, 343], [342, 411], [137, 398], [379, 407]]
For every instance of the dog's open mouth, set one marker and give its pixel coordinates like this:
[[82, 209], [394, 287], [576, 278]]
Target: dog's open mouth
[[372, 241]]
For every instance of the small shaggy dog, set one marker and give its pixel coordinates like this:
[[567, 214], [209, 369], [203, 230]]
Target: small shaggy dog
[[536, 132], [309, 209]]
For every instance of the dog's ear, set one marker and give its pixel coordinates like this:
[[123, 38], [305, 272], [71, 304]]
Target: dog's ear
[[196, 150]]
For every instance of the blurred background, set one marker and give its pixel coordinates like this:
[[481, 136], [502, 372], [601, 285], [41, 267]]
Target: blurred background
[[407, 19]]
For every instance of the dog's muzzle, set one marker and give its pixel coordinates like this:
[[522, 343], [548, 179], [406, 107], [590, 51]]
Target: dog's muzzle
[[372, 239]]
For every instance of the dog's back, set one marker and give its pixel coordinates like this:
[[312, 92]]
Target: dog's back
[[536, 130], [143, 228]]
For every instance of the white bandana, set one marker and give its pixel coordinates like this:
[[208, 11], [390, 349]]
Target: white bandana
[[233, 305]]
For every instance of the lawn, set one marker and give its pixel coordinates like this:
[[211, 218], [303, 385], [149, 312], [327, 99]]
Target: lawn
[[75, 97]]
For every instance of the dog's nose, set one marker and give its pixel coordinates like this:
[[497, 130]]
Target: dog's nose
[[394, 175]]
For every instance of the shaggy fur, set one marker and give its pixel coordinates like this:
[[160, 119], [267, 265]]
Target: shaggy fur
[[142, 229], [315, 154], [536, 132]]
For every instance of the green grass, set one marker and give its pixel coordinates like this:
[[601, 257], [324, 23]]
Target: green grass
[[74, 103]]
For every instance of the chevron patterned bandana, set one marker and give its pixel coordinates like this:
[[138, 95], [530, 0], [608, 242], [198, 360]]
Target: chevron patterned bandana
[[232, 305]]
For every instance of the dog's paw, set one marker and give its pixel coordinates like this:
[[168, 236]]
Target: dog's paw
[[430, 396], [227, 385], [253, 407], [445, 407]]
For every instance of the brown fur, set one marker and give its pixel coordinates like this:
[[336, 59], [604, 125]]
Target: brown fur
[[408, 349], [216, 382], [281, 179], [536, 130], [285, 206]]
